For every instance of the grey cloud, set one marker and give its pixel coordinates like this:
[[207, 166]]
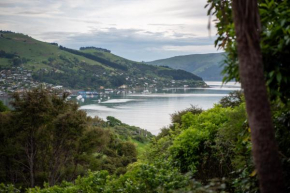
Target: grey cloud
[[87, 21], [187, 9], [135, 44], [31, 12], [7, 5], [58, 21], [136, 36], [160, 24]]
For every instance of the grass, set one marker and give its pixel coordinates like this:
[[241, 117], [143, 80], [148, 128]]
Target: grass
[[37, 51], [4, 62], [140, 146]]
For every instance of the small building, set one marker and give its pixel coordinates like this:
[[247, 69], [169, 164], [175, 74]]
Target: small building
[[57, 87], [109, 91], [123, 86]]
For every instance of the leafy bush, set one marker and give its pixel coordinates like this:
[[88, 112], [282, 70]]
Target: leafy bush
[[10, 188], [45, 138], [141, 177], [232, 100]]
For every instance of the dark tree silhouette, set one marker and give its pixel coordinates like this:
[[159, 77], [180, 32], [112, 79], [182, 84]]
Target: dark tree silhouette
[[265, 151]]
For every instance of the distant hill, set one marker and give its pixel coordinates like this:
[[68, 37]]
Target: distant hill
[[87, 68], [207, 66]]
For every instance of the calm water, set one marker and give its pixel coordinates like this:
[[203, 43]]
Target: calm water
[[152, 111]]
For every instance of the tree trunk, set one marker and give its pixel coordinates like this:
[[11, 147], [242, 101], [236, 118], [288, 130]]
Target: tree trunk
[[265, 151], [30, 151]]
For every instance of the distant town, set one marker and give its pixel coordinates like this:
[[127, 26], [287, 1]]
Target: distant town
[[18, 79]]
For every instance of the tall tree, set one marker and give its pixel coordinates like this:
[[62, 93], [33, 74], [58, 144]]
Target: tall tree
[[265, 151]]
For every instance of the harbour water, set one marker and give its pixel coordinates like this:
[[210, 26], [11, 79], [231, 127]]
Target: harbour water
[[152, 111]]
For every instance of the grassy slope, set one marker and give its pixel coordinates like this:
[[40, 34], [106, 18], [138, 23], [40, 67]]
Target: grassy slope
[[140, 146], [36, 51], [71, 69], [143, 67], [118, 59], [106, 55], [208, 66]]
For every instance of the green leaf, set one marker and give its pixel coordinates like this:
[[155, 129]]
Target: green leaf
[[272, 73], [283, 22], [279, 77]]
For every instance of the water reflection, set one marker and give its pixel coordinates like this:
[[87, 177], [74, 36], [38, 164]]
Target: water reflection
[[152, 111]]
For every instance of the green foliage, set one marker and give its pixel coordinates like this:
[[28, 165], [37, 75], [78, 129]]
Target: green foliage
[[212, 146], [275, 43], [216, 144], [194, 142], [281, 114], [112, 121], [178, 74], [233, 147], [201, 151], [3, 107], [148, 178], [185, 149], [94, 48], [92, 182], [16, 61], [10, 188], [275, 46], [176, 117], [232, 100], [45, 138], [95, 58], [127, 132], [141, 177]]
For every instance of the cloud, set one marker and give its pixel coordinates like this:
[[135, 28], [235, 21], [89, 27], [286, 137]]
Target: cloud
[[135, 44], [31, 13], [6, 5], [133, 37], [160, 24], [135, 29]]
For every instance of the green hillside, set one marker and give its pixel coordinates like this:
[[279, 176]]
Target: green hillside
[[207, 66], [88, 68]]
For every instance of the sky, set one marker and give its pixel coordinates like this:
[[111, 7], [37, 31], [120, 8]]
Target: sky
[[140, 30]]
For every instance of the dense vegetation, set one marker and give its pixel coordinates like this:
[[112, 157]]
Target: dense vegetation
[[47, 139], [207, 66], [275, 42], [95, 58], [201, 151], [94, 48]]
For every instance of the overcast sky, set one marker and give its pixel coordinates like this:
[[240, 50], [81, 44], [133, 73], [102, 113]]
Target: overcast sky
[[141, 30]]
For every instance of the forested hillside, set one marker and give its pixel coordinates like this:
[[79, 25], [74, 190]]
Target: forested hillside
[[87, 68], [207, 66], [201, 151], [46, 139]]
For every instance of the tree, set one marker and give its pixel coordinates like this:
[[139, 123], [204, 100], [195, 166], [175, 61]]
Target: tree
[[265, 151], [274, 41], [45, 138], [32, 112], [233, 99]]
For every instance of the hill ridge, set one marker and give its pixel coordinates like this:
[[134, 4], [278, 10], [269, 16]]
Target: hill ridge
[[208, 66], [87, 69]]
